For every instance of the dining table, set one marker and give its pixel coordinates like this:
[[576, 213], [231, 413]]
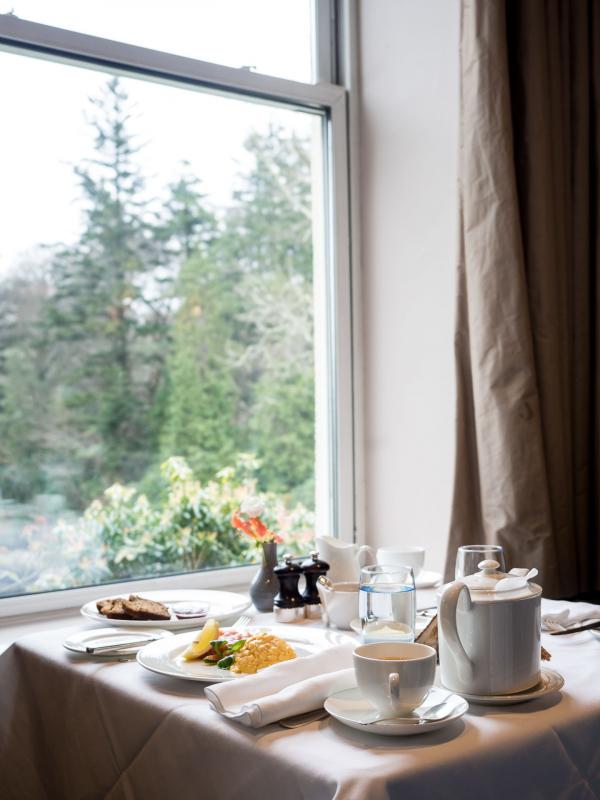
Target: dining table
[[76, 728]]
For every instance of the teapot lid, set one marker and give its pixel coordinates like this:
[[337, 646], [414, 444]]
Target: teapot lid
[[492, 585]]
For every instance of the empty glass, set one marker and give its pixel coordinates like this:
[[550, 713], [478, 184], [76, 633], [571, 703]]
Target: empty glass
[[470, 555], [387, 603]]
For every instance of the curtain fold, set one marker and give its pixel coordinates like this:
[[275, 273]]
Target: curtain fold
[[527, 295]]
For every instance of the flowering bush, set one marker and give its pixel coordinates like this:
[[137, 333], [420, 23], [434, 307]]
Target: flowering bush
[[188, 530], [124, 534]]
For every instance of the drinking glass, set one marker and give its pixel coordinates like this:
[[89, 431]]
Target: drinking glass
[[387, 603], [470, 555]]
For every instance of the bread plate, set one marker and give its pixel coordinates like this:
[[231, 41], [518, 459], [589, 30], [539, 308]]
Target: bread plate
[[222, 606], [79, 641], [165, 656]]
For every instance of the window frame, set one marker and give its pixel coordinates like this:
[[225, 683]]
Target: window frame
[[335, 31]]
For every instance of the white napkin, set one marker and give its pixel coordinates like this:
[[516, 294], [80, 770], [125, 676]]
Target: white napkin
[[562, 620], [283, 690]]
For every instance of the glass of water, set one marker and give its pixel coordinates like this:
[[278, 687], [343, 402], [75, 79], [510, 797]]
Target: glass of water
[[470, 555], [387, 603]]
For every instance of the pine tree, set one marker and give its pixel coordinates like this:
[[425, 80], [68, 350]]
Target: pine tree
[[189, 226], [271, 220], [202, 393], [24, 395], [103, 316], [267, 244]]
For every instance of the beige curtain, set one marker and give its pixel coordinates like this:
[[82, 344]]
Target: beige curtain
[[527, 348]]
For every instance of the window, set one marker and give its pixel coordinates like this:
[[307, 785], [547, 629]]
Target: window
[[267, 36], [173, 295]]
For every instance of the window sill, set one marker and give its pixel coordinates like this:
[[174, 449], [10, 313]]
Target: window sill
[[17, 626], [222, 578]]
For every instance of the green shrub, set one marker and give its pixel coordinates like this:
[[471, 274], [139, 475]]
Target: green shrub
[[187, 527]]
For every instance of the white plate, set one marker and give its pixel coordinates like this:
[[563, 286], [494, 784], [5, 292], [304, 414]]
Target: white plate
[[351, 708], [551, 682], [225, 607], [427, 580], [165, 658], [97, 637]]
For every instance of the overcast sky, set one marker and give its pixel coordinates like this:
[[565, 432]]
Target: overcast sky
[[44, 131]]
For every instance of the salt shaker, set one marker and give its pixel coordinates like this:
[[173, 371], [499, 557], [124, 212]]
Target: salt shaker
[[288, 605], [312, 569]]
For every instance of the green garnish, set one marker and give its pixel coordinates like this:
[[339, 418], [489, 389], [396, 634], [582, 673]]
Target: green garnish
[[225, 663], [237, 645]]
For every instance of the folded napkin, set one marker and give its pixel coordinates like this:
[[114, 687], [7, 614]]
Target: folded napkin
[[562, 620], [283, 690]]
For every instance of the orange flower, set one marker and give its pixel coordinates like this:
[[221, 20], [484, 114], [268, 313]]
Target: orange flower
[[254, 527]]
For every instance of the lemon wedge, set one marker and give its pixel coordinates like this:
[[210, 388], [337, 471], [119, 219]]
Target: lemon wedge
[[201, 644]]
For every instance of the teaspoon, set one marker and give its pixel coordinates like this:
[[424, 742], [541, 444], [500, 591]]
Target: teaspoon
[[433, 714]]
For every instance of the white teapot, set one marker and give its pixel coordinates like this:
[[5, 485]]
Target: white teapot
[[344, 559], [489, 627]]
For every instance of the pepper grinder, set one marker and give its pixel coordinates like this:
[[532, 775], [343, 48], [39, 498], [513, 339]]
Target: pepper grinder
[[313, 569], [288, 605]]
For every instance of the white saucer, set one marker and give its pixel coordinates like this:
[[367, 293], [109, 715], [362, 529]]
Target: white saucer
[[351, 708], [427, 580], [551, 682], [420, 624], [78, 642]]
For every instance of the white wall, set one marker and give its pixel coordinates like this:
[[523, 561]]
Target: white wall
[[408, 152]]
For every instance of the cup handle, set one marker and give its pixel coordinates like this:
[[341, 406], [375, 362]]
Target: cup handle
[[394, 685], [366, 555]]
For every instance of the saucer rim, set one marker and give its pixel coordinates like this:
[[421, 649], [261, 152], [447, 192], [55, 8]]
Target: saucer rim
[[431, 583], [541, 689], [392, 728], [356, 627]]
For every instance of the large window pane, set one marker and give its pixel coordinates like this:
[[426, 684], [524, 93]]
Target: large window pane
[[268, 36], [156, 325]]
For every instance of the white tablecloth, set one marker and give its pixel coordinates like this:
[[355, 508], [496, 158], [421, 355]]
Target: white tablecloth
[[75, 729]]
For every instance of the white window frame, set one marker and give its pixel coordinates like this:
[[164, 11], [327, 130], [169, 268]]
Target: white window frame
[[334, 46]]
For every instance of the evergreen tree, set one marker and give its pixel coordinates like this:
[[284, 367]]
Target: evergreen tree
[[270, 223], [103, 316], [24, 395], [202, 394], [267, 244], [189, 226], [161, 335]]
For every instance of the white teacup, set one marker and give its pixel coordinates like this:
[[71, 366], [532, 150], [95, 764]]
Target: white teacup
[[410, 556], [340, 602], [395, 678]]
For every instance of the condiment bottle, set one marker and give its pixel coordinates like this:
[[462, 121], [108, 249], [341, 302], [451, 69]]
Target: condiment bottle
[[312, 569], [288, 605]]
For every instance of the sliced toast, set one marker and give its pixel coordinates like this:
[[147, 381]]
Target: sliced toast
[[112, 608], [140, 608]]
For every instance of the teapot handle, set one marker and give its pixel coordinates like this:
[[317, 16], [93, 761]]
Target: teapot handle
[[448, 603], [366, 555]]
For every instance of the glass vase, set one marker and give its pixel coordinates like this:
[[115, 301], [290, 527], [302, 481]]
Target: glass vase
[[265, 585]]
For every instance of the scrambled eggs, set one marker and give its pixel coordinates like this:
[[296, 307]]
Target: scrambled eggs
[[261, 650]]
